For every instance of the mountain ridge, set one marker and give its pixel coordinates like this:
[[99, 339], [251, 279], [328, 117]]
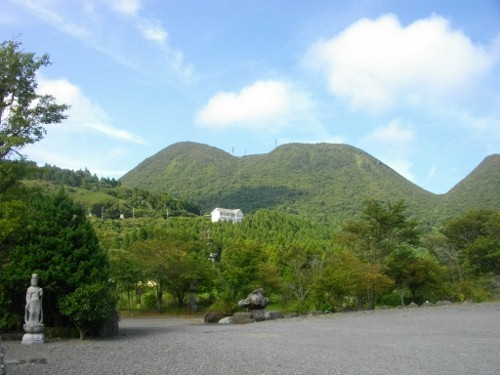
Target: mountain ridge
[[315, 180]]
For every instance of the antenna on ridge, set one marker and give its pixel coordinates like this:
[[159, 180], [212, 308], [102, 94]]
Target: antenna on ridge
[[275, 143]]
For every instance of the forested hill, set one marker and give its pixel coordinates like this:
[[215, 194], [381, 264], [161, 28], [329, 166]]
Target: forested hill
[[326, 181], [481, 188]]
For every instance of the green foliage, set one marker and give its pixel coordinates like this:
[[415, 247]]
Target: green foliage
[[61, 246], [468, 245], [23, 113], [241, 269], [476, 237], [416, 271], [89, 306], [301, 264], [478, 191], [298, 267], [338, 282], [379, 230], [106, 199]]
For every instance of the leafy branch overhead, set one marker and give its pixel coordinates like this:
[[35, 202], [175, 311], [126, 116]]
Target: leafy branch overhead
[[23, 111]]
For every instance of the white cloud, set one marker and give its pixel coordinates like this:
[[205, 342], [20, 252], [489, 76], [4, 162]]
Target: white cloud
[[153, 31], [126, 7], [375, 63], [392, 134], [262, 104], [392, 144], [83, 114], [92, 23], [58, 20]]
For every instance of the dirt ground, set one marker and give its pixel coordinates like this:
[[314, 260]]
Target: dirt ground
[[455, 339]]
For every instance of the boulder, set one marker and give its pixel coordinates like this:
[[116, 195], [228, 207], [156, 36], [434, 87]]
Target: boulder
[[213, 317], [272, 315], [255, 300], [242, 318], [258, 315]]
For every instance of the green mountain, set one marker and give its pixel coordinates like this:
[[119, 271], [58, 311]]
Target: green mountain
[[324, 181], [480, 189]]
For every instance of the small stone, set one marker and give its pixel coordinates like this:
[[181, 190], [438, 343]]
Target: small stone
[[226, 320]]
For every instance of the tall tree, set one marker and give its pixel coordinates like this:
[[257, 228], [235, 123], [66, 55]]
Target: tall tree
[[298, 265], [475, 237], [380, 228], [23, 112], [469, 246], [60, 245], [415, 272]]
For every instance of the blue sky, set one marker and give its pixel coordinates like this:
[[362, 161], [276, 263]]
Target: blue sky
[[414, 83]]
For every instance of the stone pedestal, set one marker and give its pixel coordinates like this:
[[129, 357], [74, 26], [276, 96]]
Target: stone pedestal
[[2, 362], [33, 338], [34, 334]]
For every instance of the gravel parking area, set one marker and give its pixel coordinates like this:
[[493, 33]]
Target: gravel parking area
[[455, 339]]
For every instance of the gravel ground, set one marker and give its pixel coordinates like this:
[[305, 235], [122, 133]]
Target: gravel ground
[[456, 339]]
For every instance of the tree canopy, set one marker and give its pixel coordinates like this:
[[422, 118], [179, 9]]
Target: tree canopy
[[23, 112]]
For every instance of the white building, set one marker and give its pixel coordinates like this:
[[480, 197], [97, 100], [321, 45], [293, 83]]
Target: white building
[[225, 214]]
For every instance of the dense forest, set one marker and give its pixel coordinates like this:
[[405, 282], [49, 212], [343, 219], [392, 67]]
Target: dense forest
[[380, 257], [108, 198]]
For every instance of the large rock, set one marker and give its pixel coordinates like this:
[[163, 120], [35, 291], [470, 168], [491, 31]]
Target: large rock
[[242, 318], [272, 315], [251, 316], [213, 317], [259, 315], [255, 300]]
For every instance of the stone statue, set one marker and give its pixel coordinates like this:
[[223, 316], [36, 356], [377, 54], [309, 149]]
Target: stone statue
[[33, 314], [33, 311], [255, 300]]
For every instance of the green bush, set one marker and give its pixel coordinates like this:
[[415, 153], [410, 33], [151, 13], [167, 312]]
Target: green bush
[[223, 306], [392, 299], [61, 332], [149, 300]]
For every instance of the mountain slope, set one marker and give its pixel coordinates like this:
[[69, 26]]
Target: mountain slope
[[323, 181], [480, 189]]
